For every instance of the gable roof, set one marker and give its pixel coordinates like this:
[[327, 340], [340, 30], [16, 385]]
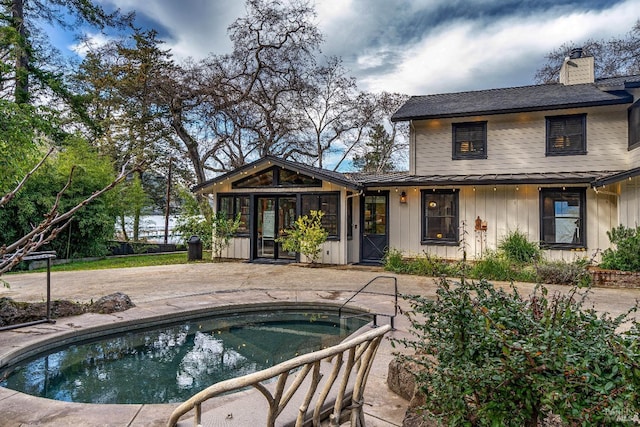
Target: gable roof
[[323, 174], [518, 99]]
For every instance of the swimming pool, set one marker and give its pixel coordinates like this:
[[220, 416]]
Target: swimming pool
[[170, 362]]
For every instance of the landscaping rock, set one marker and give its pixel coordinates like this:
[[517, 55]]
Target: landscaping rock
[[14, 312], [112, 303]]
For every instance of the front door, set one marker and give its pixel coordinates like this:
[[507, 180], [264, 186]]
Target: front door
[[276, 215], [374, 231]]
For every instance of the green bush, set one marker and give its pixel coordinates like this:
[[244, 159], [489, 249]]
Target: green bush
[[494, 358], [494, 265], [306, 236], [422, 265], [626, 254], [564, 273], [517, 248]]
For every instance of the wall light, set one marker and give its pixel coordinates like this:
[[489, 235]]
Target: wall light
[[403, 197]]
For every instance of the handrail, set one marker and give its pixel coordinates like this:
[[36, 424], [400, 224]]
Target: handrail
[[360, 351], [395, 295]]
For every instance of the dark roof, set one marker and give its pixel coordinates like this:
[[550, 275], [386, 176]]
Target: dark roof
[[625, 82], [615, 177], [405, 179], [516, 99], [323, 174]]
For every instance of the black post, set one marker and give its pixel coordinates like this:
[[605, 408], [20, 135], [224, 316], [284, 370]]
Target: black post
[[166, 217]]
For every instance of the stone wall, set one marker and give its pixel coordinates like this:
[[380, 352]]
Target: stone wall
[[615, 278]]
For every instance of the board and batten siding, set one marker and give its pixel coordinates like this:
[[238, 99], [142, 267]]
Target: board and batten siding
[[629, 211], [516, 144], [505, 208]]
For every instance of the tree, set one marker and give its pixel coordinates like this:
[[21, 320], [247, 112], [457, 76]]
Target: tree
[[229, 107], [614, 57], [119, 82], [24, 54], [222, 231], [377, 152]]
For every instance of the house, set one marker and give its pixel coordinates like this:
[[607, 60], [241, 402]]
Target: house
[[558, 162]]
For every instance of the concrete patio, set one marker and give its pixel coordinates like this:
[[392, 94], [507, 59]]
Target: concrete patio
[[172, 289]]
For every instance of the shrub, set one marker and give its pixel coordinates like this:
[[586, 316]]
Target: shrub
[[517, 248], [307, 236], [494, 265], [493, 357], [626, 254], [563, 273], [423, 265]]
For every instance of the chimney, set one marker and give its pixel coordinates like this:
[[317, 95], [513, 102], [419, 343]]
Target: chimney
[[577, 68]]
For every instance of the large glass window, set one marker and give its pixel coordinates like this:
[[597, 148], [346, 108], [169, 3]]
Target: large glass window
[[566, 135], [440, 217], [470, 140], [328, 203], [277, 177], [233, 205], [563, 218]]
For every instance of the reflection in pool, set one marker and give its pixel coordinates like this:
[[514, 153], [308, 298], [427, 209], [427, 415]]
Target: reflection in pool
[[171, 363]]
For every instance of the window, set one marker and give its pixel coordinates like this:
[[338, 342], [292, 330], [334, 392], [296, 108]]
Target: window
[[634, 126], [562, 218], [566, 135], [234, 205], [328, 203], [440, 217], [277, 177], [469, 140]]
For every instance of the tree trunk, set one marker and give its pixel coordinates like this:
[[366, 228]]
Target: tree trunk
[[21, 91]]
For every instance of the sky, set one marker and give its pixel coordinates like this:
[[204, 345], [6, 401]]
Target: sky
[[415, 47]]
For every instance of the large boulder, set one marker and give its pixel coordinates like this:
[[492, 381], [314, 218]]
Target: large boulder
[[112, 303]]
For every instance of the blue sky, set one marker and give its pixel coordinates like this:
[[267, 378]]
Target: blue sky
[[410, 46]]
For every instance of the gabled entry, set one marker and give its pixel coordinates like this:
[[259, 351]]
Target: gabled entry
[[375, 228]]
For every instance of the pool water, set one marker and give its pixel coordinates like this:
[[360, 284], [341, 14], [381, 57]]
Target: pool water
[[171, 363]]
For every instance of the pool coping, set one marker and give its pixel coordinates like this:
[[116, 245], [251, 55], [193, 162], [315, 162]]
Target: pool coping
[[89, 325]]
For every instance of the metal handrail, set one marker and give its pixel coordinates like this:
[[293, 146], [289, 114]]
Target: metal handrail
[[395, 305]]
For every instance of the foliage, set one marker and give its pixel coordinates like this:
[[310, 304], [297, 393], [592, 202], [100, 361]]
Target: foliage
[[425, 265], [564, 273], [192, 222], [618, 56], [517, 248], [92, 227], [495, 358], [306, 236], [378, 151], [223, 230], [626, 254]]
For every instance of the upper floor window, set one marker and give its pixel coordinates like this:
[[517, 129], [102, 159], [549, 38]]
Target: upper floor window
[[440, 217], [634, 126], [232, 206], [566, 135], [470, 140], [562, 213]]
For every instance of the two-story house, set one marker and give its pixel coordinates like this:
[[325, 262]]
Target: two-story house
[[558, 162]]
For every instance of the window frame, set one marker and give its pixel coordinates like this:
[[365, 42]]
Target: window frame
[[424, 239], [319, 195], [276, 181], [633, 119], [234, 205], [456, 154], [581, 192], [549, 146]]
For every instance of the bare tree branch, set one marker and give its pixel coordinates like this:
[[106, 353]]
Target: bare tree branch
[[10, 195]]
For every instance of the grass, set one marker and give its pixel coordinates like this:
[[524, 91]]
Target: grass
[[125, 262]]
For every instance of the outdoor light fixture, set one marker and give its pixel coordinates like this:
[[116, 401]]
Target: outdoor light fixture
[[403, 197]]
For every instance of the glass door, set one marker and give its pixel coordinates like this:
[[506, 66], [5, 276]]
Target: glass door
[[374, 230], [276, 215]]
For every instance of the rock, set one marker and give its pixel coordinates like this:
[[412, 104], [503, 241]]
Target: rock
[[400, 378], [112, 303]]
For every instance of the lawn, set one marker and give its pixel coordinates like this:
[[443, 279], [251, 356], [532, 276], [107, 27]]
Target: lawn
[[125, 262]]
